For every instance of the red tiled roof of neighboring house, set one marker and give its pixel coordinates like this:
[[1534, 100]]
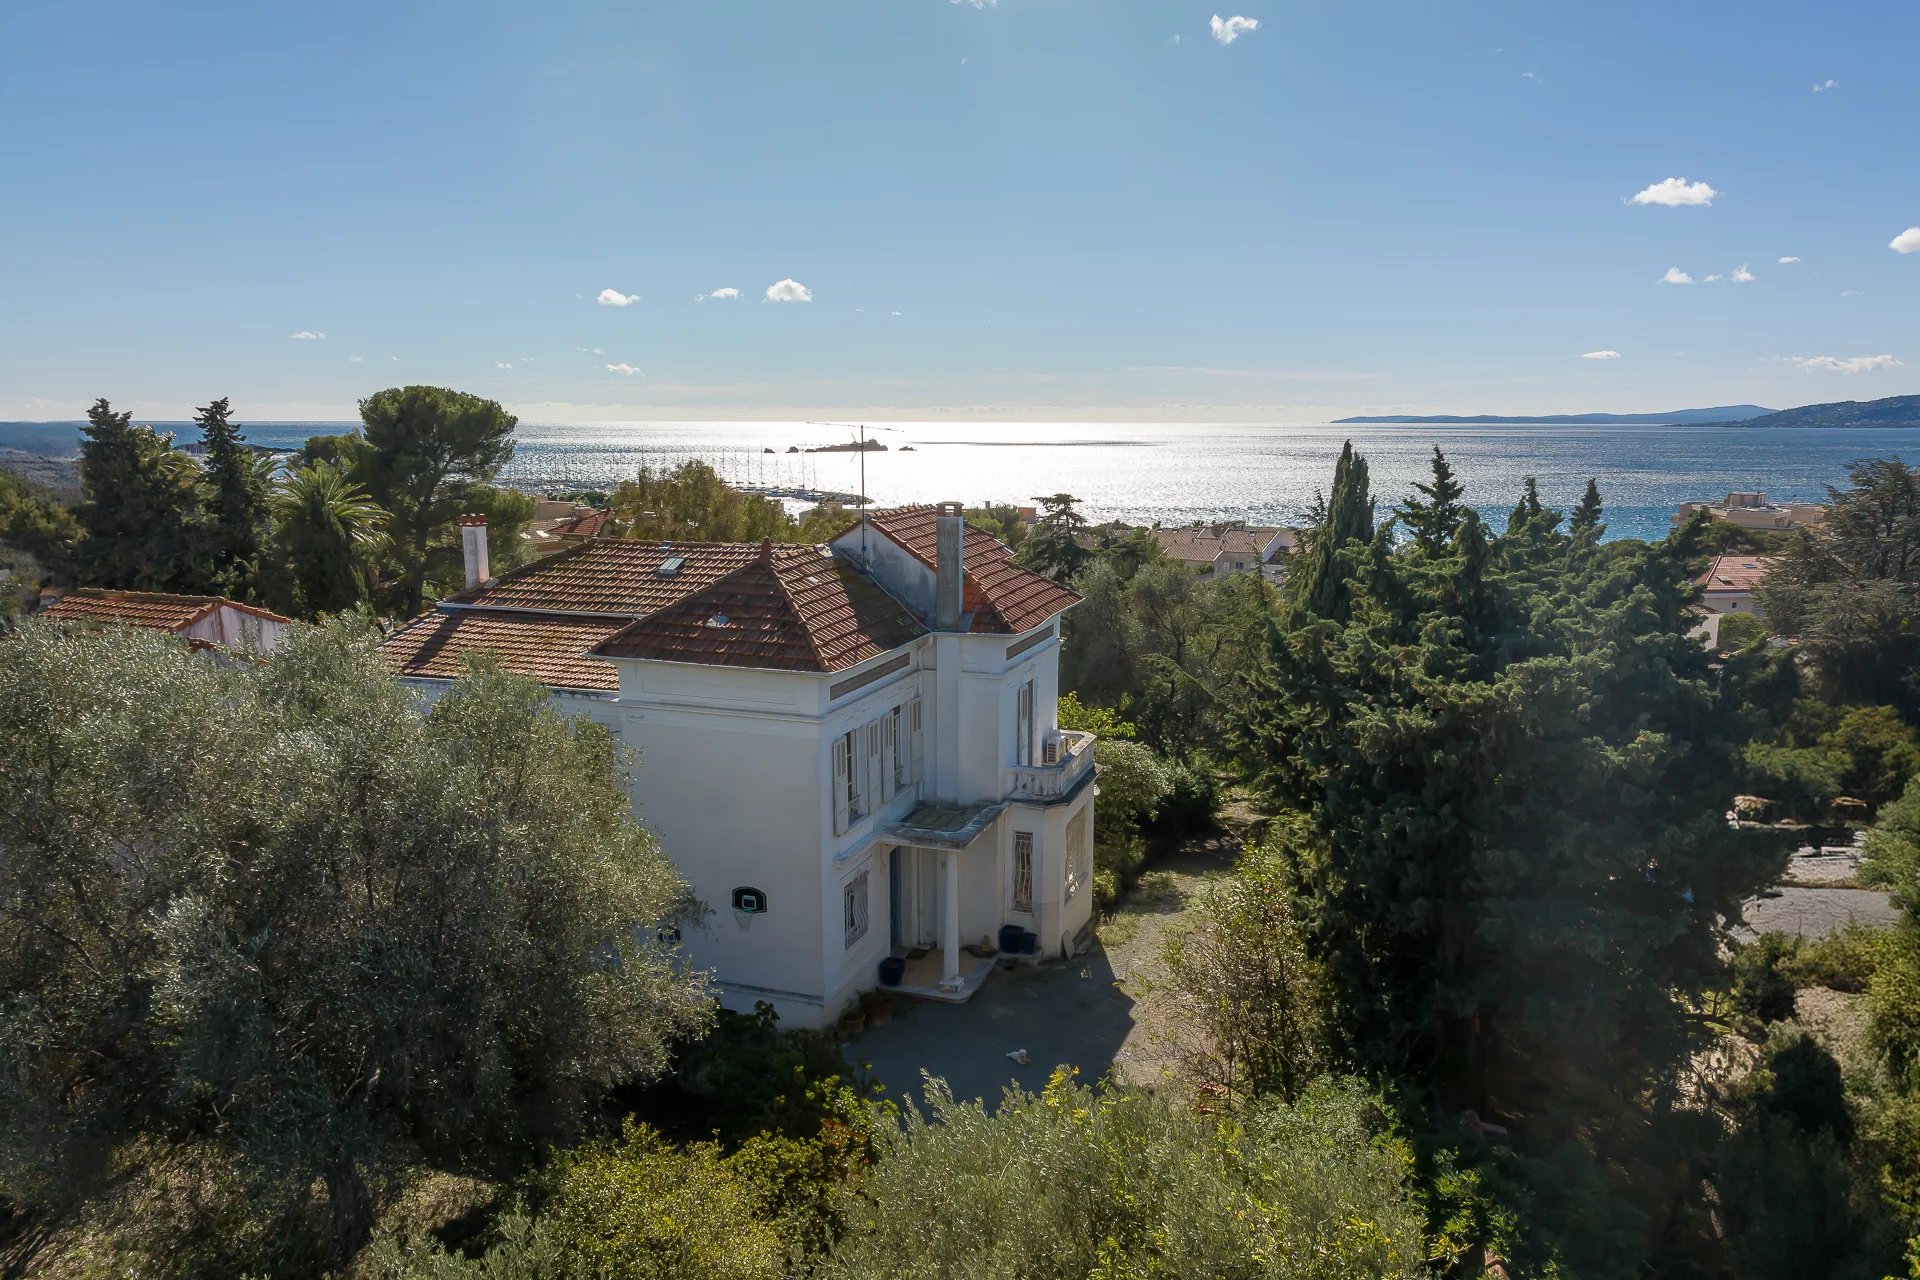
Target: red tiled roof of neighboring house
[[1730, 572], [1002, 594], [588, 524], [155, 609], [1202, 544], [794, 608], [545, 647]]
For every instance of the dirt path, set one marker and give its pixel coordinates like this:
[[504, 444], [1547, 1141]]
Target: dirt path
[[1136, 934]]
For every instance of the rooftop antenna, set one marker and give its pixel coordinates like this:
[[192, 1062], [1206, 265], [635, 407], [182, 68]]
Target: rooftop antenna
[[861, 427]]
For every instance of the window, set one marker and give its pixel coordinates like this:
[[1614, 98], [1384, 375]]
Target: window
[[919, 739], [891, 778], [849, 768], [1023, 871], [1079, 855], [1023, 725], [854, 909]]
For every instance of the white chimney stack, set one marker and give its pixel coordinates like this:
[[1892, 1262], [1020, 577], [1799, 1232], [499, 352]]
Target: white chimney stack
[[949, 570], [473, 545]]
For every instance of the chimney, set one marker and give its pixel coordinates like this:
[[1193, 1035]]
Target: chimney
[[949, 525], [473, 544]]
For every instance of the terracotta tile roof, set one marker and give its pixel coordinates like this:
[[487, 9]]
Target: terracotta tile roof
[[543, 647], [1730, 572], [588, 524], [615, 576], [155, 609], [1202, 544], [1002, 594], [792, 609]]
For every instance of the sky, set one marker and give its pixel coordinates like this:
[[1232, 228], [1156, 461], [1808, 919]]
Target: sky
[[1102, 210]]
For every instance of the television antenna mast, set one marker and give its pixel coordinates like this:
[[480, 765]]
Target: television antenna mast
[[860, 427]]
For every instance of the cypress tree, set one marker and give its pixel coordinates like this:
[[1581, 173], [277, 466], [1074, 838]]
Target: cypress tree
[[236, 504], [1586, 516], [1435, 520], [140, 514]]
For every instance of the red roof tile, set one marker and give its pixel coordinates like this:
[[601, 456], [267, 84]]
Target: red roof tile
[[1002, 594], [793, 609], [613, 576], [1730, 572], [544, 647]]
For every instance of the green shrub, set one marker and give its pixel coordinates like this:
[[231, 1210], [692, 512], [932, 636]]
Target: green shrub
[[1741, 630], [1192, 801], [1075, 1182], [1762, 990], [1842, 961], [1121, 858]]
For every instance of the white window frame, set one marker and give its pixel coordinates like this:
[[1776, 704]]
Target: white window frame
[[1079, 857], [856, 913], [849, 785], [889, 754], [1023, 872], [1023, 724], [916, 764]]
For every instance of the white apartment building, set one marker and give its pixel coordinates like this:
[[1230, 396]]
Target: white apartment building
[[849, 751], [1228, 547]]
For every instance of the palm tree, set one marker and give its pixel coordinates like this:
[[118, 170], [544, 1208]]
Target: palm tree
[[327, 530]]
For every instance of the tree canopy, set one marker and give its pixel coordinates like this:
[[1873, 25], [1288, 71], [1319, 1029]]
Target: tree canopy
[[142, 515], [272, 916]]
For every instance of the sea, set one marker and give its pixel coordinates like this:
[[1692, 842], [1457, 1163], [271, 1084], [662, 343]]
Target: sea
[[1177, 473]]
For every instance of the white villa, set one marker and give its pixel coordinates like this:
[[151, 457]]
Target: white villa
[[1753, 511], [849, 751], [1228, 547]]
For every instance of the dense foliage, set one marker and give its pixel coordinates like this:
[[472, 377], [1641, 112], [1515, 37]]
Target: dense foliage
[[271, 923], [143, 519], [691, 503], [38, 540]]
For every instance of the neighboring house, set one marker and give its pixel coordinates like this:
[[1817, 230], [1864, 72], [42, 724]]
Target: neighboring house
[[1730, 581], [1223, 548], [849, 751], [203, 621], [1753, 511], [574, 525]]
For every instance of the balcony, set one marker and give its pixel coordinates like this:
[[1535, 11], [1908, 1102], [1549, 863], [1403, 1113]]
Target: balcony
[[1066, 762]]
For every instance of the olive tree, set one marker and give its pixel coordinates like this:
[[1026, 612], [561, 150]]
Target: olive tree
[[275, 913]]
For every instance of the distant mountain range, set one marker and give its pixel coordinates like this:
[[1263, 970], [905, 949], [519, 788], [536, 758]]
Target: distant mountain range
[[1893, 411], [1679, 417]]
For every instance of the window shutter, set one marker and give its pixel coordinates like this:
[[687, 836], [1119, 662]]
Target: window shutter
[[919, 744], [889, 753], [840, 764]]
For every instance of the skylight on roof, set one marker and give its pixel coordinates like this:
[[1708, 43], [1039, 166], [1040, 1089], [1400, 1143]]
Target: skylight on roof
[[670, 567]]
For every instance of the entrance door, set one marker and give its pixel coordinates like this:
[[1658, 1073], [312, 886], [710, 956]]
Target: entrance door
[[895, 899]]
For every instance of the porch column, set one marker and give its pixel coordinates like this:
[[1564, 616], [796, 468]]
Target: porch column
[[950, 918]]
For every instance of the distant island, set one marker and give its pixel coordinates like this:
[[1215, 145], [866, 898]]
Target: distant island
[[1716, 416], [851, 446], [1893, 411]]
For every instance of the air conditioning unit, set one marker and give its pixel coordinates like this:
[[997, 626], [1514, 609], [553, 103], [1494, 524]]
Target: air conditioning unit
[[1050, 751]]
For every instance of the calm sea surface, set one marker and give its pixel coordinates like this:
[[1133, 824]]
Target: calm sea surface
[[1179, 473]]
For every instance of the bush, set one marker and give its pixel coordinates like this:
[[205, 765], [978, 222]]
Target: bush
[[1192, 801], [1762, 990], [1843, 961], [1075, 1183], [1740, 631], [1120, 859]]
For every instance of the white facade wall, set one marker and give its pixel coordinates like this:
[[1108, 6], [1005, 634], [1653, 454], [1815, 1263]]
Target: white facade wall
[[735, 777]]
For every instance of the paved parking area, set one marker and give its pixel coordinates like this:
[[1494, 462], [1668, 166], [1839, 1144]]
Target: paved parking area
[[1069, 1013]]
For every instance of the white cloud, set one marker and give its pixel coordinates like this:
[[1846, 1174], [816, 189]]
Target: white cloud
[[1675, 193], [1227, 30], [314, 335], [501, 364], [615, 298], [1907, 241], [394, 358], [1741, 275], [788, 291], [1529, 75], [1676, 276], [1847, 364], [724, 295], [1851, 293], [1710, 279], [1175, 41], [896, 313], [592, 351], [1600, 355], [1825, 85], [1788, 260], [355, 360], [624, 368], [977, 4]]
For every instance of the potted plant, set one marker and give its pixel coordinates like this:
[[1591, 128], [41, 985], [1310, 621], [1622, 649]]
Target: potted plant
[[852, 1022]]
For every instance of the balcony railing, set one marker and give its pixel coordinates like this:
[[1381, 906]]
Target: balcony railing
[[1066, 758]]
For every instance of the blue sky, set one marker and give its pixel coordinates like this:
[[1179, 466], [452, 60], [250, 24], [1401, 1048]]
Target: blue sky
[[1089, 209]]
